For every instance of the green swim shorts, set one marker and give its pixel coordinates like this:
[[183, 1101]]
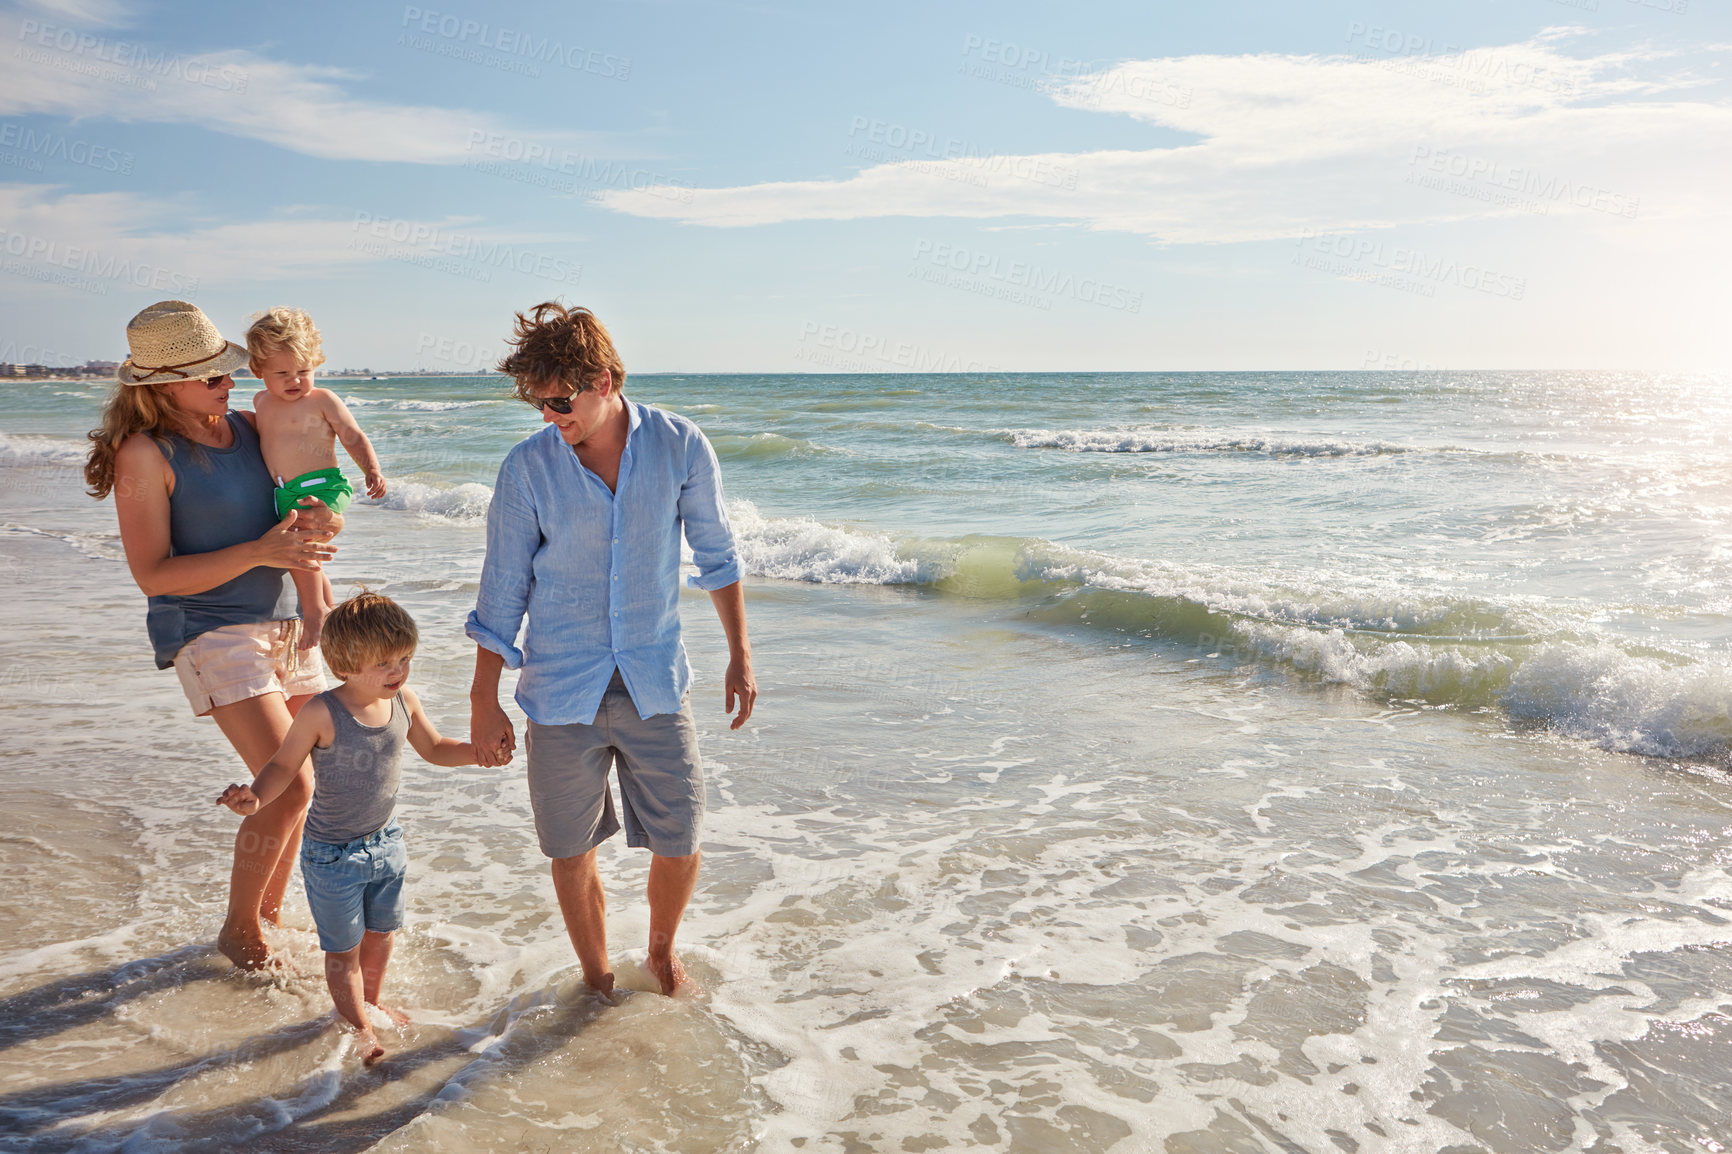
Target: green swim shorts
[[328, 485]]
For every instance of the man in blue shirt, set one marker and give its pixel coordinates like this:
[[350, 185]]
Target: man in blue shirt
[[583, 538]]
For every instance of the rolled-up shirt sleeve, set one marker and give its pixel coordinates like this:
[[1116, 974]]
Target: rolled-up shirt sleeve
[[513, 537], [705, 519]]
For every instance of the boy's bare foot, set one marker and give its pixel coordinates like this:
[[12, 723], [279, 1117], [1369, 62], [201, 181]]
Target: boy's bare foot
[[398, 1017], [668, 971], [371, 1050], [248, 951]]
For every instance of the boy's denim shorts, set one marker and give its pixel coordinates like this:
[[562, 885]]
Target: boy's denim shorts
[[355, 886]]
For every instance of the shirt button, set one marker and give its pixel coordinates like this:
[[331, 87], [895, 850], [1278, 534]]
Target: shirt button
[[616, 540]]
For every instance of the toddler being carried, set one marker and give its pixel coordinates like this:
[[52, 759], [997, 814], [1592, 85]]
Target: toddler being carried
[[299, 425]]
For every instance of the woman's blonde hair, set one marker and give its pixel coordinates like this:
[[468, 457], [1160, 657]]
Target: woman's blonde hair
[[130, 410], [368, 627], [284, 328]]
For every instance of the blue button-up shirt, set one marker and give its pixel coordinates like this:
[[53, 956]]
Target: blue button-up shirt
[[596, 571]]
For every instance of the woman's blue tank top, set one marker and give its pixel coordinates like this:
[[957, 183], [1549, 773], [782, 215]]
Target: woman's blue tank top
[[221, 497]]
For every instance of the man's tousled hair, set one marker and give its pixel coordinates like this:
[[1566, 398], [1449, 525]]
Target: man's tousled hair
[[558, 345]]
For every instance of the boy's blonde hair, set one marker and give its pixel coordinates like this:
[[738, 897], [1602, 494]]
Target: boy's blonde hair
[[368, 627], [284, 328]]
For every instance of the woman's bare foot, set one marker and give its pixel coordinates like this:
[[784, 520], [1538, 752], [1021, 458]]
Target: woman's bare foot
[[398, 1017], [248, 951], [668, 971]]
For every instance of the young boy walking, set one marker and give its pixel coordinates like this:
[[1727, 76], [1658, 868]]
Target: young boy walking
[[352, 856]]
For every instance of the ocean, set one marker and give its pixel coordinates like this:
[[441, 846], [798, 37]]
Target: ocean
[[1178, 762]]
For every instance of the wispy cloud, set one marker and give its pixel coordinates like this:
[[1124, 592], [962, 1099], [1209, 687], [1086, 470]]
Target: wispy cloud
[[85, 13], [161, 244], [54, 66], [1289, 145]]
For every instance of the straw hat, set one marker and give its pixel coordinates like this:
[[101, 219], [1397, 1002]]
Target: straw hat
[[174, 341]]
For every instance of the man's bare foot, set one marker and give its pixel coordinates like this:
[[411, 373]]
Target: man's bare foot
[[668, 971], [371, 1050], [601, 985], [398, 1017], [248, 951]]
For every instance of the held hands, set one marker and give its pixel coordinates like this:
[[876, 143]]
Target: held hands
[[290, 544], [491, 734], [742, 684], [241, 799], [375, 485]]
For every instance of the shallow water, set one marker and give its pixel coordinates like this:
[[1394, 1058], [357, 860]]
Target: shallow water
[[1254, 762]]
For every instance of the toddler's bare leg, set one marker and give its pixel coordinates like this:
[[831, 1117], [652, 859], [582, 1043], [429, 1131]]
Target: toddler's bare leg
[[375, 956], [343, 976], [317, 601]]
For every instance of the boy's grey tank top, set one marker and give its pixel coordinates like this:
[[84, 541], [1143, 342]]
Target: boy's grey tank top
[[355, 778], [221, 497]]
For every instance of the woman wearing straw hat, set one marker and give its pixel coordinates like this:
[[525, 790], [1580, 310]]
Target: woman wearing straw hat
[[198, 521]]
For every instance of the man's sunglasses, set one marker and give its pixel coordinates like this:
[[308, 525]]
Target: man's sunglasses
[[560, 405]]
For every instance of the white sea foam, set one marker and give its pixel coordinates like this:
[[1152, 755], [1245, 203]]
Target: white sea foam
[[466, 502], [24, 449], [1194, 441], [802, 549], [413, 406]]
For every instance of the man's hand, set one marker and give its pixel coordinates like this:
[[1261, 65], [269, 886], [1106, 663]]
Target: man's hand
[[241, 799], [491, 733], [740, 683]]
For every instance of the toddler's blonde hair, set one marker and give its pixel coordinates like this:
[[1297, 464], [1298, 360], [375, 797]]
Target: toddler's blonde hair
[[282, 328], [368, 627]]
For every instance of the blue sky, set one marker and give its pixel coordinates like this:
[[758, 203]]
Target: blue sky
[[795, 187]]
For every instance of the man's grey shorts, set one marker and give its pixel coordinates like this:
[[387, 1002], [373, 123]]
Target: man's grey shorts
[[661, 779]]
